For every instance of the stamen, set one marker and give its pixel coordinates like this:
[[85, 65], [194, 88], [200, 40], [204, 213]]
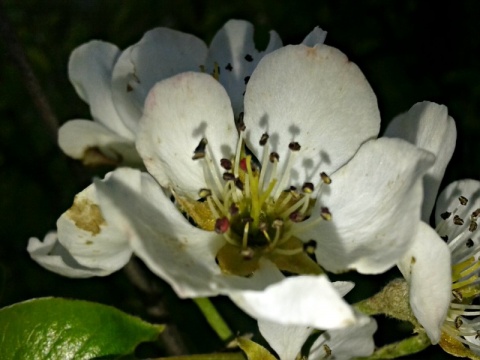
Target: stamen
[[325, 178], [240, 124], [295, 206], [226, 164], [285, 201], [264, 143], [473, 226], [476, 213], [296, 216], [326, 214], [308, 188], [294, 147], [204, 193], [328, 351], [199, 152], [274, 157], [457, 220], [233, 192], [228, 176], [267, 193], [238, 155], [463, 200], [465, 273], [458, 322], [255, 211], [263, 227], [245, 235], [212, 207], [277, 225], [222, 225], [210, 171], [457, 295], [310, 246], [445, 215], [263, 139], [303, 226], [296, 251]]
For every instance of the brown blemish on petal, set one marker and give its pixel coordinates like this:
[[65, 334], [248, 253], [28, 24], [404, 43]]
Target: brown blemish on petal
[[413, 260], [86, 215]]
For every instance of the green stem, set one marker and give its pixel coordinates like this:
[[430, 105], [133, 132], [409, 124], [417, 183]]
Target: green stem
[[214, 319], [224, 356], [404, 347]]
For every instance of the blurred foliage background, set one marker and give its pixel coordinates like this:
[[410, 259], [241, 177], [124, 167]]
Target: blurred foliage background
[[409, 51]]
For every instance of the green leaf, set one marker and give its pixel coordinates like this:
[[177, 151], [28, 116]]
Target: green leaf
[[52, 328]]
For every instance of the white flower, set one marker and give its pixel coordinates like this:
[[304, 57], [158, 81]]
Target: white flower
[[457, 213], [260, 197], [115, 83], [426, 266]]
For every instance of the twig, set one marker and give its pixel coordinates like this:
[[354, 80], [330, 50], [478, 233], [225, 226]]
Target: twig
[[29, 79]]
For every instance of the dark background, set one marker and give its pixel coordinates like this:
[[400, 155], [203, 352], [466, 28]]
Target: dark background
[[409, 51]]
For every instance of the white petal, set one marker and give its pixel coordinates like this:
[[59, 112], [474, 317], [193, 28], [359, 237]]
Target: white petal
[[160, 53], [345, 344], [89, 237], [75, 137], [54, 257], [233, 50], [286, 340], [313, 96], [375, 204], [428, 126], [179, 112], [427, 268], [316, 37], [459, 235], [170, 246], [300, 301], [90, 71]]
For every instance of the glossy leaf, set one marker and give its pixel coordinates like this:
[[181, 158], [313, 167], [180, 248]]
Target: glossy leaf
[[53, 328]]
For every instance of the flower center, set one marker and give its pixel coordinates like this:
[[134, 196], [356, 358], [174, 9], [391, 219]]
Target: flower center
[[460, 326], [253, 207]]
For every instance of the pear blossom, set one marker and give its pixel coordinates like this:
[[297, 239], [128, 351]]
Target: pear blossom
[[426, 266], [296, 180], [442, 266], [457, 213], [115, 83]]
